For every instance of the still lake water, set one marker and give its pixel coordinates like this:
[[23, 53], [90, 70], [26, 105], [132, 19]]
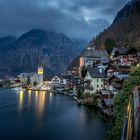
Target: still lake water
[[47, 116]]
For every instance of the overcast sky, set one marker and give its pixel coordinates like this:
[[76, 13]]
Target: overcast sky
[[76, 18]]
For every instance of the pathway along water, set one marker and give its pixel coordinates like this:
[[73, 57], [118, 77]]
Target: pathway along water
[[47, 116]]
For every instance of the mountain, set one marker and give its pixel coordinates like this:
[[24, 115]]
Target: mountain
[[6, 42], [54, 51], [125, 29]]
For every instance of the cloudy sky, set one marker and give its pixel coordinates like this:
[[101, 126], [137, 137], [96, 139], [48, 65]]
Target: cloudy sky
[[76, 18]]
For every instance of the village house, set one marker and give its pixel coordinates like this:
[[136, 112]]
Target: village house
[[66, 78], [92, 57], [124, 55], [116, 81], [114, 69], [14, 81], [111, 70], [56, 81], [95, 80]]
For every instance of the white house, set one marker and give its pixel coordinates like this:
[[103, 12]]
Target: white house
[[56, 81], [95, 81]]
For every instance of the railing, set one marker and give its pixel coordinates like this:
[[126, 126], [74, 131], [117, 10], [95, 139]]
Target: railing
[[127, 126], [124, 128]]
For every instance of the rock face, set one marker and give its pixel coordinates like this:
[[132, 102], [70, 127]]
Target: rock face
[[125, 29], [54, 51]]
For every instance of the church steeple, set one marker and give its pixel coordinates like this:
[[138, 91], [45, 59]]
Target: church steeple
[[40, 70]]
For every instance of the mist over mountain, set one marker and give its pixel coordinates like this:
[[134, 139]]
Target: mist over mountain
[[54, 51]]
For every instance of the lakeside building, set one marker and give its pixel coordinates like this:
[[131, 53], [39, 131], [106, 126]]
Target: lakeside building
[[95, 80], [116, 81], [34, 77], [56, 81], [14, 81], [24, 76]]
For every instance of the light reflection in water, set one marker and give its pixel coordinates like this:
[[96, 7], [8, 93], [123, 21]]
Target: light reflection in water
[[20, 99], [50, 95], [29, 97], [82, 119], [50, 98], [40, 103]]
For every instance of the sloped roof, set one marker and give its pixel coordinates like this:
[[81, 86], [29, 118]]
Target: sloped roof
[[109, 101], [27, 74], [95, 73], [122, 76], [123, 50], [95, 53], [114, 50]]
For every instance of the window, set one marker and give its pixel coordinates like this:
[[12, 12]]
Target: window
[[97, 86], [97, 80]]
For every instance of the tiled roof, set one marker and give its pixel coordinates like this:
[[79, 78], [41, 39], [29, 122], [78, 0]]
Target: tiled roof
[[108, 101], [95, 53], [122, 76], [95, 73], [123, 50]]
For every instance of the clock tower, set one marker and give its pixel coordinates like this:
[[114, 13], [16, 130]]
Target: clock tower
[[40, 76]]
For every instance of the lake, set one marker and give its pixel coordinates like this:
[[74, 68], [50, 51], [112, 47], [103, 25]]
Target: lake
[[47, 116]]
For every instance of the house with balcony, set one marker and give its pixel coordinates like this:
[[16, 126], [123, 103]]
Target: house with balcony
[[115, 69], [124, 55], [116, 81]]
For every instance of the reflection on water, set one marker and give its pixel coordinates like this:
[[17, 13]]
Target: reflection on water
[[29, 97], [20, 99], [40, 103], [47, 116], [82, 118], [50, 97]]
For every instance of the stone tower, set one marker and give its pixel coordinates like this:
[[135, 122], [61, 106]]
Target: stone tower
[[40, 76]]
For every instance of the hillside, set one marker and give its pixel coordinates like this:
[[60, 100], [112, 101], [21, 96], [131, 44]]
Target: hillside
[[54, 51], [125, 29]]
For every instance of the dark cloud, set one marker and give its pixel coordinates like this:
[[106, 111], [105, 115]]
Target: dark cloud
[[77, 18]]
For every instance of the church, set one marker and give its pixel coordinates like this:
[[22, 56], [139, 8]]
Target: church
[[40, 76]]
